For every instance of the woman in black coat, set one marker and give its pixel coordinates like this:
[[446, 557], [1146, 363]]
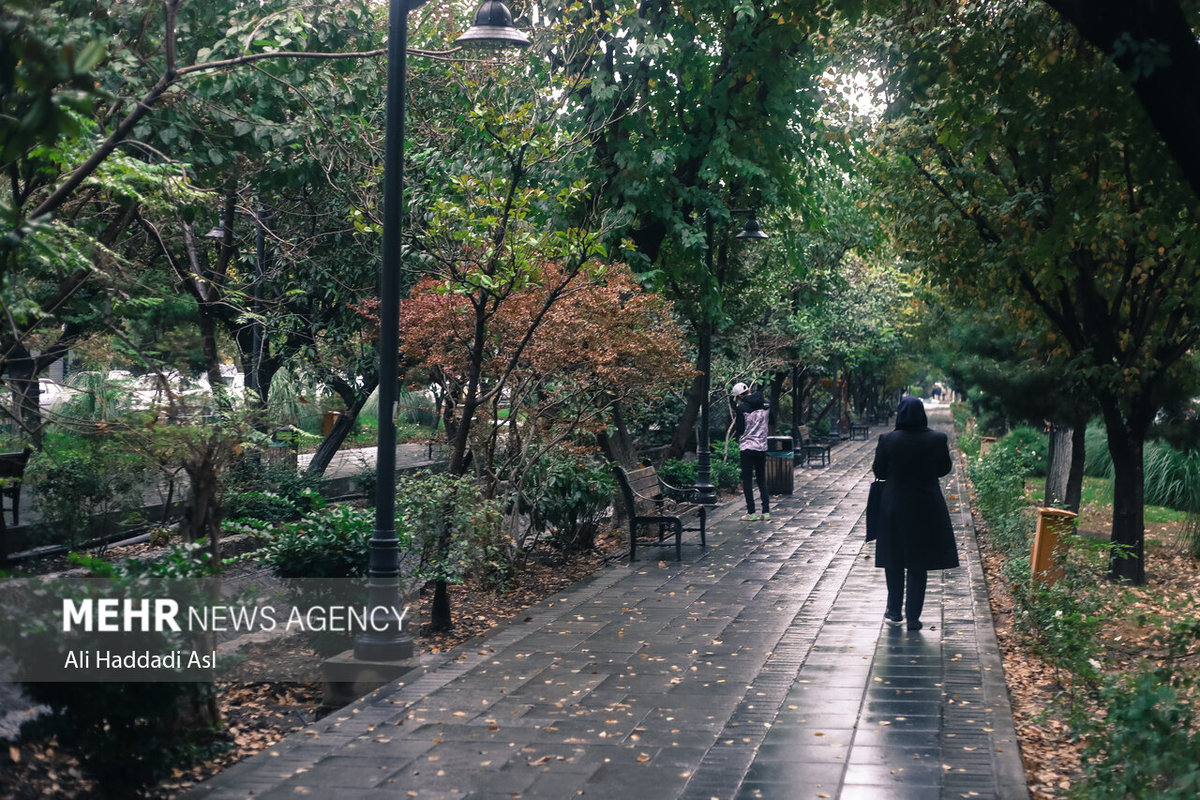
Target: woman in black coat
[[914, 532]]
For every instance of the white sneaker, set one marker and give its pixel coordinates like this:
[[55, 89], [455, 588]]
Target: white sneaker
[[749, 517]]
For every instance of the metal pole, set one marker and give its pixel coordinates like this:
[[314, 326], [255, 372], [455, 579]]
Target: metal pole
[[256, 333], [392, 643], [705, 492]]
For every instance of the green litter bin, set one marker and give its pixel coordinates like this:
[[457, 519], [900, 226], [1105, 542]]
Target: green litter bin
[[780, 465]]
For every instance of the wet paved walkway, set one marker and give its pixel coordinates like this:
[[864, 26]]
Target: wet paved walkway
[[758, 669]]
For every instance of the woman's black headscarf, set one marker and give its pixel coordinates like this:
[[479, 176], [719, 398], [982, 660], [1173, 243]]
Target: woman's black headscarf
[[910, 415]]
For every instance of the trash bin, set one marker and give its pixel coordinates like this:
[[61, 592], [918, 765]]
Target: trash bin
[[282, 448], [328, 420], [1052, 524], [780, 465]]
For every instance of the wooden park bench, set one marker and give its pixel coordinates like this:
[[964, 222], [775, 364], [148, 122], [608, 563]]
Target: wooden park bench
[[814, 451], [859, 430], [12, 472], [647, 505]]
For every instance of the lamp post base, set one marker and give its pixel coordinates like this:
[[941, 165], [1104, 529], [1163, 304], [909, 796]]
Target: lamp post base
[[348, 678]]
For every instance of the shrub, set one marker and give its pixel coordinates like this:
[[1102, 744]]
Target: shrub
[[90, 488], [1029, 448], [678, 472], [455, 531], [277, 492], [568, 497], [726, 465], [328, 543], [725, 468], [1148, 743], [126, 735], [261, 506]]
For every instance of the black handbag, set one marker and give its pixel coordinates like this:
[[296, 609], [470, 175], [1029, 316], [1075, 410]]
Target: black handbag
[[874, 499]]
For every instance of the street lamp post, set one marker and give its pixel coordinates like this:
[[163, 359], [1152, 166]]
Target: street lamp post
[[493, 28], [704, 491]]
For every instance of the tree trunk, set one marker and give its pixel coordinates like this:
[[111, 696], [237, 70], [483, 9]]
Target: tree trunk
[[776, 391], [1075, 478], [616, 442], [687, 420], [203, 518], [333, 442], [1128, 521], [1064, 470]]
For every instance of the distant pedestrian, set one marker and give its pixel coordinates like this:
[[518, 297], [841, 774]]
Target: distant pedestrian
[[914, 533], [751, 430]]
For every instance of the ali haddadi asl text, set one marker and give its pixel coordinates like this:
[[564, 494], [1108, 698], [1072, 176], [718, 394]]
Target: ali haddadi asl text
[[107, 660]]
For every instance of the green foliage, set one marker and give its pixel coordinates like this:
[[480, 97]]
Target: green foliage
[[89, 487], [1172, 477], [1000, 493], [259, 506], [568, 497], [1060, 620], [266, 492], [127, 735], [1097, 461], [327, 543], [1147, 745], [969, 439], [1028, 448], [455, 531], [678, 472], [726, 465], [725, 468]]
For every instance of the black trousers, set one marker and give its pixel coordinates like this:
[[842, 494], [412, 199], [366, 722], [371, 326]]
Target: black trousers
[[754, 470], [915, 600]]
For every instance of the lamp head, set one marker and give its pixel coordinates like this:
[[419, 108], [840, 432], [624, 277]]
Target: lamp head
[[752, 229], [493, 29]]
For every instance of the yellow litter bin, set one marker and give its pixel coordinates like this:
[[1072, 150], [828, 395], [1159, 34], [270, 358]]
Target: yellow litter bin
[[1052, 524]]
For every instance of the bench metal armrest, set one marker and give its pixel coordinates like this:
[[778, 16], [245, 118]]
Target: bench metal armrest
[[682, 492]]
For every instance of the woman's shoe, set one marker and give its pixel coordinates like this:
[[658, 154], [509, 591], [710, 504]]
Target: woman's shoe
[[915, 625], [749, 517], [892, 619], [766, 517]]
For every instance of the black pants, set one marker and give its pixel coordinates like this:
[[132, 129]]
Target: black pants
[[754, 469], [915, 601]]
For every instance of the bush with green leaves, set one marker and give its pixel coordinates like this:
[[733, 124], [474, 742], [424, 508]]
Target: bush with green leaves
[[725, 468], [455, 531], [1059, 620], [255, 489], [678, 472], [87, 486], [261, 506], [126, 735], [327, 543], [1147, 745], [968, 439], [1029, 448], [567, 498]]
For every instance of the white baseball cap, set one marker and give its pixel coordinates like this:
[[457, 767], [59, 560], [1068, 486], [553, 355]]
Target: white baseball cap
[[740, 389]]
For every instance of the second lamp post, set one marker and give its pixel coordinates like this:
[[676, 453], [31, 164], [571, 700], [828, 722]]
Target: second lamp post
[[704, 491]]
